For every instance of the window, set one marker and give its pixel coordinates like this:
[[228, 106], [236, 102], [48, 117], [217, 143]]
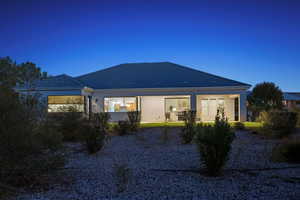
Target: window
[[177, 104], [64, 103], [120, 104]]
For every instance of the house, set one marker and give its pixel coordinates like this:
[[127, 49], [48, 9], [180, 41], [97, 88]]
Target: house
[[160, 91], [291, 100]]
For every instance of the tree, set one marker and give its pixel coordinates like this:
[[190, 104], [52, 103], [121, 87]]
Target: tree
[[8, 71], [29, 72], [265, 96], [12, 74]]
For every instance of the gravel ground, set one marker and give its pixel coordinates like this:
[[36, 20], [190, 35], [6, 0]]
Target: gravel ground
[[144, 155]]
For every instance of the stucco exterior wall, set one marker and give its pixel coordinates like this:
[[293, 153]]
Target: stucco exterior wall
[[157, 95]]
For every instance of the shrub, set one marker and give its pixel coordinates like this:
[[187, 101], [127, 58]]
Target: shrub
[[287, 152], [101, 120], [26, 150], [49, 136], [70, 124], [123, 127], [165, 135], [94, 138], [134, 119], [122, 173], [297, 110], [214, 144], [278, 123], [239, 126], [188, 131]]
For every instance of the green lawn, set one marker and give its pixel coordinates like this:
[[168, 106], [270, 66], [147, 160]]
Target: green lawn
[[248, 125]]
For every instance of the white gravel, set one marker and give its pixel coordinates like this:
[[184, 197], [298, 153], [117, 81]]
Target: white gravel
[[95, 178]]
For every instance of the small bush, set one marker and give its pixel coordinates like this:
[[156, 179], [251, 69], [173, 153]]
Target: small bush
[[239, 126], [49, 136], [165, 135], [134, 119], [101, 120], [278, 123], [122, 173], [94, 138], [188, 131], [214, 144], [70, 124], [123, 127], [297, 110], [287, 152]]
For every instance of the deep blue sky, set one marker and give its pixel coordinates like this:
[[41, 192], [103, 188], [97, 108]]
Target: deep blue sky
[[250, 41]]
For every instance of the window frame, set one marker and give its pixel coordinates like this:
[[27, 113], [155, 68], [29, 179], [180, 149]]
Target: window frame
[[165, 100], [110, 97], [82, 96]]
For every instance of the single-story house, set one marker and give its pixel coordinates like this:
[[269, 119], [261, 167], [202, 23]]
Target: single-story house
[[291, 100], [160, 91]]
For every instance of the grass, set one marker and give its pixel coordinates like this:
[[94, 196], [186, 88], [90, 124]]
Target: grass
[[248, 125]]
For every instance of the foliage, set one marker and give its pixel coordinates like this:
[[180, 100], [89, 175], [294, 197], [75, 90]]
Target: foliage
[[123, 127], [26, 150], [8, 71], [214, 144], [12, 74], [287, 152], [265, 96], [134, 119], [188, 131], [122, 173], [278, 123], [101, 120], [94, 138], [70, 123], [165, 135], [297, 110], [239, 126]]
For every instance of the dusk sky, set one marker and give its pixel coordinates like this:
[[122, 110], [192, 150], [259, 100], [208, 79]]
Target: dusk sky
[[249, 41]]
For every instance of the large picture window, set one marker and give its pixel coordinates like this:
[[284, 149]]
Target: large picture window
[[120, 104], [65, 103]]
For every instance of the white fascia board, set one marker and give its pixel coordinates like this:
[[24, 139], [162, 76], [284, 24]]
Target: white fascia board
[[186, 89]]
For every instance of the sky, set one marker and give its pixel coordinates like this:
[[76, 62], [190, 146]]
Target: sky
[[246, 40]]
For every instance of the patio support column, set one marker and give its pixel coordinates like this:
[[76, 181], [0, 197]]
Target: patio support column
[[90, 106], [243, 107], [193, 101]]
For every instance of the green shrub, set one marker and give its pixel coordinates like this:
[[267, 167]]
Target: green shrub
[[278, 123], [188, 131], [94, 138], [165, 134], [214, 144], [70, 124], [123, 127], [297, 110], [26, 150], [239, 126], [101, 120], [134, 119], [49, 136], [123, 175], [287, 152]]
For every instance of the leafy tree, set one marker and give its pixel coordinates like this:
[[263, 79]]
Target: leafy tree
[[8, 71], [265, 96], [28, 72], [12, 74]]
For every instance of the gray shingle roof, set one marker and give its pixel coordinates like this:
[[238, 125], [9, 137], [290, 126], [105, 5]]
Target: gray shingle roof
[[56, 82], [153, 75]]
